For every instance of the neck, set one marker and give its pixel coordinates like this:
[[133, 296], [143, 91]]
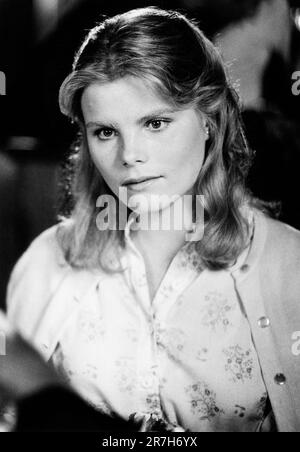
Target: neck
[[160, 246], [162, 243]]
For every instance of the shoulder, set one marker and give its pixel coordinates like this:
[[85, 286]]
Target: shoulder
[[44, 254], [279, 244], [47, 244], [36, 275], [282, 236]]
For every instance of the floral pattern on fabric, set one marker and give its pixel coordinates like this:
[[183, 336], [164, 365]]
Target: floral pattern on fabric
[[172, 340], [216, 311], [203, 401], [185, 361], [166, 290], [239, 364], [240, 411], [153, 403], [202, 354], [125, 375], [141, 280], [92, 327], [91, 371]]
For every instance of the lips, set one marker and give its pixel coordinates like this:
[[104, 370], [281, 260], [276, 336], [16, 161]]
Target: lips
[[140, 184], [139, 180]]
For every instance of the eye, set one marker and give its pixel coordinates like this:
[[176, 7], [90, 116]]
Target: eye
[[158, 124], [105, 133]]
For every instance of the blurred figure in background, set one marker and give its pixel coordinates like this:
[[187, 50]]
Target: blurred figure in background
[[256, 38], [8, 254]]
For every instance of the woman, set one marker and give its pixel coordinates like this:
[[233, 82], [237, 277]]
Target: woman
[[192, 327]]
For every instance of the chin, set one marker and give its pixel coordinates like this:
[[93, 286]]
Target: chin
[[150, 202]]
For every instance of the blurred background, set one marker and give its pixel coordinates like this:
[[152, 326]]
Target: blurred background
[[259, 41]]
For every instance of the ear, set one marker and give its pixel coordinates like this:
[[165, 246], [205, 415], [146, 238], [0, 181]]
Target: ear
[[207, 132], [205, 123]]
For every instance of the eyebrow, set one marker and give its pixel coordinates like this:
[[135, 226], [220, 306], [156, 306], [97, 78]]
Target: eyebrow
[[149, 116], [162, 112]]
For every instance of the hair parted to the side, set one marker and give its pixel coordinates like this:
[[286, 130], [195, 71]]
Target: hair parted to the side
[[168, 50]]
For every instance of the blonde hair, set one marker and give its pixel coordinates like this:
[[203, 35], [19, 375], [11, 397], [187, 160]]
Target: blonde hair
[[185, 68]]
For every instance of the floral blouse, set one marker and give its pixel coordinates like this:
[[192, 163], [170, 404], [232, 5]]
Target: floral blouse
[[192, 364]]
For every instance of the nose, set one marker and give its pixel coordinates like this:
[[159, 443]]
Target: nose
[[133, 150]]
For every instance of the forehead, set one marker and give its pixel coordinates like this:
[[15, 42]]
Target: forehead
[[126, 96]]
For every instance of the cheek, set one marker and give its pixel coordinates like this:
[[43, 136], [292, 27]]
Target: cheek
[[104, 167], [198, 154], [100, 160], [188, 155]]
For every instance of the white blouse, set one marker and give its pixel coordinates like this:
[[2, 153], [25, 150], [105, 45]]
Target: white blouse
[[191, 364]]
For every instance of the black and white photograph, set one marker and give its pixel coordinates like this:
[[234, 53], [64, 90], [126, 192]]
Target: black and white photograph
[[150, 218]]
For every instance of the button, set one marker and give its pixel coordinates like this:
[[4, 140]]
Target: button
[[245, 268], [45, 346], [264, 322], [280, 379]]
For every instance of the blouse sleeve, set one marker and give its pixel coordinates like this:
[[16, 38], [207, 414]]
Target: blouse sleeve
[[33, 280]]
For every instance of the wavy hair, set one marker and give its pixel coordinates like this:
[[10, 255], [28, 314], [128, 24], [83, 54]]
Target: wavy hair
[[169, 50]]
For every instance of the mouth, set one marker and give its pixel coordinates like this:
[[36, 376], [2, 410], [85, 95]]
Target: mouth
[[141, 184]]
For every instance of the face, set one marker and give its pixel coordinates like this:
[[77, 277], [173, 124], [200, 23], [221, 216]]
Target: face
[[133, 133]]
